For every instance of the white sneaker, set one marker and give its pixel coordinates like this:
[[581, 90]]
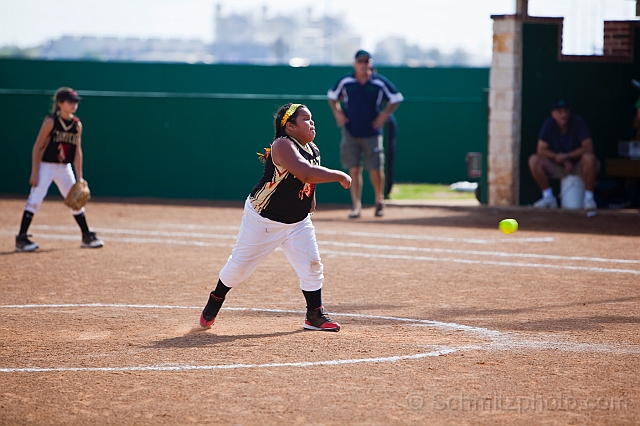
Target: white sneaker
[[589, 204], [546, 203], [354, 214]]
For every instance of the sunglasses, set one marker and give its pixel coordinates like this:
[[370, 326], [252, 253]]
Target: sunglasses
[[362, 61]]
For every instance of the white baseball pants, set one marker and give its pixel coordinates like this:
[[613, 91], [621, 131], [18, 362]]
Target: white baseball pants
[[61, 174], [259, 236]]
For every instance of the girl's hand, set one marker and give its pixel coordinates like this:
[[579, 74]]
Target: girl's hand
[[33, 180]]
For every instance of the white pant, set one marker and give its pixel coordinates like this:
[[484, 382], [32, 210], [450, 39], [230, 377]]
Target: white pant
[[61, 174], [260, 236]]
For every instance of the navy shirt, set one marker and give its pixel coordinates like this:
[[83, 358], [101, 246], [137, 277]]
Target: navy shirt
[[362, 103], [577, 131]]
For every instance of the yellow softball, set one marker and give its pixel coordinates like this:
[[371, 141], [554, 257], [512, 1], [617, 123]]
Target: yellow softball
[[508, 226]]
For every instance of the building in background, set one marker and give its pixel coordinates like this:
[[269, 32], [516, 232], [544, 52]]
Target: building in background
[[299, 38], [127, 49]]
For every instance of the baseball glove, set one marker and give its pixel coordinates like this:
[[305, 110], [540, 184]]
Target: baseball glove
[[78, 195]]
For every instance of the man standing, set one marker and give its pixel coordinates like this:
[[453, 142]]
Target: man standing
[[564, 147], [361, 103]]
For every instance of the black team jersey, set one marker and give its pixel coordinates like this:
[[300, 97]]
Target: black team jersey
[[282, 197], [61, 143]]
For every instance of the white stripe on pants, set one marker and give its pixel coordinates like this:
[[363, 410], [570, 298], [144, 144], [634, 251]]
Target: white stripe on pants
[[61, 174], [259, 236]]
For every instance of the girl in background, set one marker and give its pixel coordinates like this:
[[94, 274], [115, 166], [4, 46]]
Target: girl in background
[[57, 145]]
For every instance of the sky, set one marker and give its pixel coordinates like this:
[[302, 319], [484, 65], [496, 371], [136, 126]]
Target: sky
[[443, 24]]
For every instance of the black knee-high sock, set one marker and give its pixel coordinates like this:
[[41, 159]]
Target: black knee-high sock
[[82, 222], [26, 221], [221, 290], [314, 299], [216, 299]]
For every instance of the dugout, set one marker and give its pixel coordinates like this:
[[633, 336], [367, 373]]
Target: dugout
[[529, 71]]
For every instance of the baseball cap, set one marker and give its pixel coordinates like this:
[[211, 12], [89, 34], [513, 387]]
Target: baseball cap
[[559, 103], [362, 53], [67, 95]]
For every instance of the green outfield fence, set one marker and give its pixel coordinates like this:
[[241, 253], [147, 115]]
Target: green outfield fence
[[192, 131]]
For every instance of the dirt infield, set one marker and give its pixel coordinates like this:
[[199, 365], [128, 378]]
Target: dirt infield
[[444, 320]]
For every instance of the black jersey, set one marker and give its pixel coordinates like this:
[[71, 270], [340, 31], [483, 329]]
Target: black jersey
[[282, 197], [62, 141]]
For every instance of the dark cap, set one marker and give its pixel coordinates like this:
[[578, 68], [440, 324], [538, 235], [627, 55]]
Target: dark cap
[[559, 103], [67, 95], [362, 53]]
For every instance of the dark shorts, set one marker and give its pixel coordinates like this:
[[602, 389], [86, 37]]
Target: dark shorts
[[352, 150]]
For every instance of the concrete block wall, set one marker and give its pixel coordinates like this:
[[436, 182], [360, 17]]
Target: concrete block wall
[[505, 81]]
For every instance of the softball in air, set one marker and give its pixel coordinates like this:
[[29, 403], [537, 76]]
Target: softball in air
[[508, 226]]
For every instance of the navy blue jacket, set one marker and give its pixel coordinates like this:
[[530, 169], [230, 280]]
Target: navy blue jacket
[[362, 103]]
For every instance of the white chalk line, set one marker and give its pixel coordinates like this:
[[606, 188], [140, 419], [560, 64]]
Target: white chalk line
[[381, 235], [481, 253], [482, 262], [453, 326], [377, 235], [318, 231], [357, 245], [232, 366], [235, 228], [193, 242], [499, 341], [136, 240]]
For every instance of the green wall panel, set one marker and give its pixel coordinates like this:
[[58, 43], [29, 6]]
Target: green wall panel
[[192, 131]]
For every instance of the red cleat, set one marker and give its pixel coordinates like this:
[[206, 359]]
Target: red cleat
[[317, 320], [211, 311], [206, 324]]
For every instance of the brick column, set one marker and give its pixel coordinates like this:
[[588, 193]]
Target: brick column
[[618, 38], [505, 98]]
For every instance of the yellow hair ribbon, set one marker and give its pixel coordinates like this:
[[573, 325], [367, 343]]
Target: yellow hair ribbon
[[263, 157], [290, 111]]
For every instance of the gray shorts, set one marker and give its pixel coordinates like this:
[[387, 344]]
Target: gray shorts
[[557, 171], [352, 149]]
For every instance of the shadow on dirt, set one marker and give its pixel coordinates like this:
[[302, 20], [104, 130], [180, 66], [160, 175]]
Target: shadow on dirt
[[569, 324], [452, 313], [31, 253], [198, 338], [354, 307]]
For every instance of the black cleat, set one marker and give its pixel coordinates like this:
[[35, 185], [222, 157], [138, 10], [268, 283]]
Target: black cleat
[[89, 240], [23, 244]]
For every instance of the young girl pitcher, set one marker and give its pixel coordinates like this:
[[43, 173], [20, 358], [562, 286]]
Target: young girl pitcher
[[277, 213]]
